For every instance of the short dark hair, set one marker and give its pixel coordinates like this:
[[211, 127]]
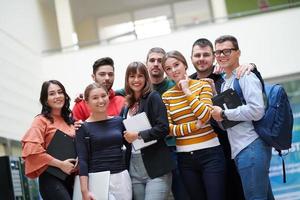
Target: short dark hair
[[174, 54], [155, 50], [134, 68], [103, 61], [203, 42], [230, 38], [66, 112]]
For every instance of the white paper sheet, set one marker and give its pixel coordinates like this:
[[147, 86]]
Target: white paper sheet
[[139, 122], [98, 185]]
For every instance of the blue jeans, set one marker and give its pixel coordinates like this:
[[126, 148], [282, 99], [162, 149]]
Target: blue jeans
[[145, 188], [253, 164], [178, 189], [203, 173]]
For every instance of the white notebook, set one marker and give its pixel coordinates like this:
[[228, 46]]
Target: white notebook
[[139, 122], [98, 185]]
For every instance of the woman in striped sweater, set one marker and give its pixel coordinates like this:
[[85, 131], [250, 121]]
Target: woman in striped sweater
[[200, 156]]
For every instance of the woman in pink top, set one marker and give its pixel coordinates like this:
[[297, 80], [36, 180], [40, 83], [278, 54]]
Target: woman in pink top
[[55, 115]]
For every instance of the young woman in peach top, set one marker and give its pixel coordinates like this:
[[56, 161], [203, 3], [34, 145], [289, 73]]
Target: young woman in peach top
[[55, 115]]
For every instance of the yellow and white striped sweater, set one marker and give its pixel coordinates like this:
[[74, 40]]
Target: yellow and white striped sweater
[[183, 113]]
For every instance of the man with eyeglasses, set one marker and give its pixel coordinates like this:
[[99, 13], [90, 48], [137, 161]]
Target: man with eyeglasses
[[203, 58], [251, 154]]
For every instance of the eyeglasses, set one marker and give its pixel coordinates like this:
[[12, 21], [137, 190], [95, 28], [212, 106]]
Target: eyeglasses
[[225, 52]]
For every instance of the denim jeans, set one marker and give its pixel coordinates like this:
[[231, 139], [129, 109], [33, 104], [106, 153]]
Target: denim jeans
[[178, 189], [52, 188], [253, 164], [145, 188], [203, 173]]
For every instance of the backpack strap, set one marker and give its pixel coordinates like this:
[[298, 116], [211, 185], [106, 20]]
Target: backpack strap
[[283, 165], [238, 89]]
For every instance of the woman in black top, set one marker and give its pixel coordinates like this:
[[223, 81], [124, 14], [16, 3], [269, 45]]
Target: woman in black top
[[150, 168], [103, 151]]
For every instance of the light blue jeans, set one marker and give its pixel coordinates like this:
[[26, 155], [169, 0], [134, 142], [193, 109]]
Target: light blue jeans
[[253, 164], [145, 188]]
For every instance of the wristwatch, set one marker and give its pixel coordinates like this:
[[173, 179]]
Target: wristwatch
[[139, 135], [223, 115]]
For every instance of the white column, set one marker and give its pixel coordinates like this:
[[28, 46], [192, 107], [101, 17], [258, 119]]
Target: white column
[[219, 10], [67, 34]]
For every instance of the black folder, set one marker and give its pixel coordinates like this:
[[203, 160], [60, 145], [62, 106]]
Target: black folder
[[228, 99], [61, 147]]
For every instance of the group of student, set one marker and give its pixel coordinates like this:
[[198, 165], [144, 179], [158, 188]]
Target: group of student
[[193, 158]]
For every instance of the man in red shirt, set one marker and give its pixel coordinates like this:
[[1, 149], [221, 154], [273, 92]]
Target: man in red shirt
[[103, 73]]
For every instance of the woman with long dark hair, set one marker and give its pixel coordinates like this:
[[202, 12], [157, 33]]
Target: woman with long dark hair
[[150, 168], [55, 116]]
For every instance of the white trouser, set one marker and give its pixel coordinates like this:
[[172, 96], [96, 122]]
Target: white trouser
[[120, 187]]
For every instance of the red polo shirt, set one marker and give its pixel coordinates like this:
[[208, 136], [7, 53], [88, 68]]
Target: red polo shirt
[[81, 111]]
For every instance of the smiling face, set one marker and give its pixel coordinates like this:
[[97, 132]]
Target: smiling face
[[228, 62], [136, 82], [56, 97], [98, 100], [175, 69], [104, 75], [202, 58]]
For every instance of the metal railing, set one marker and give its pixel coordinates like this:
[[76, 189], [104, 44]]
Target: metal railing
[[174, 28], [84, 44]]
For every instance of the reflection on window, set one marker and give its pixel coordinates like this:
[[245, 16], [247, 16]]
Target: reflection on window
[[111, 32], [140, 29], [293, 91], [151, 21], [152, 27]]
